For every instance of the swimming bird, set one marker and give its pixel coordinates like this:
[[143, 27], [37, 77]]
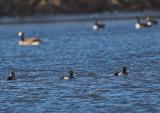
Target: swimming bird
[[139, 24], [97, 25], [71, 73], [28, 41], [151, 22], [121, 73], [12, 75]]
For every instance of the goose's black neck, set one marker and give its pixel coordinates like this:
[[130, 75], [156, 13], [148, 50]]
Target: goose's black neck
[[71, 74], [22, 37], [138, 20], [96, 22], [124, 69]]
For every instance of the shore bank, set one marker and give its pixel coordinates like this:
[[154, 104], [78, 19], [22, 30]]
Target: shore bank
[[45, 7], [76, 18]]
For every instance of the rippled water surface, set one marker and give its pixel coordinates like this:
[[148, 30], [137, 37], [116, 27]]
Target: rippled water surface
[[94, 56]]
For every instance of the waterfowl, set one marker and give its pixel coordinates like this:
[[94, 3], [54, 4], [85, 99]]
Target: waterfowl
[[121, 73], [151, 22], [71, 73], [12, 75], [139, 24], [97, 25], [28, 41]]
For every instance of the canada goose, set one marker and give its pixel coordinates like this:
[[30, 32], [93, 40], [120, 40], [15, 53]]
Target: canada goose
[[97, 25], [121, 73], [151, 22], [69, 77], [12, 75], [28, 41], [139, 24]]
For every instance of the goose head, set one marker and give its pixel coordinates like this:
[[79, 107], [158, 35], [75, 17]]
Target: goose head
[[21, 35]]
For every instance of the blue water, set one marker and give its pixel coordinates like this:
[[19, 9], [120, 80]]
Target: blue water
[[94, 56]]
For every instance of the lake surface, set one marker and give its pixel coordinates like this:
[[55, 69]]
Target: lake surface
[[93, 55]]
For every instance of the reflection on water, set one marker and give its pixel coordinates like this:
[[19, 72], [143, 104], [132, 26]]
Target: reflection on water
[[93, 55]]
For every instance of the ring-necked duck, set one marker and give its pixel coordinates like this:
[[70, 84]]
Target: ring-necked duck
[[12, 75], [71, 73], [28, 41], [97, 25], [139, 24], [121, 73], [151, 22]]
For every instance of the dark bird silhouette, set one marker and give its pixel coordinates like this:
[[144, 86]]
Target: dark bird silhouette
[[12, 75], [69, 77], [121, 73]]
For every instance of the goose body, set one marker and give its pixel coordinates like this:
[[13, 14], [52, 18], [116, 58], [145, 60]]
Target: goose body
[[121, 73], [140, 25], [11, 76], [28, 41], [97, 25], [69, 77], [151, 22]]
